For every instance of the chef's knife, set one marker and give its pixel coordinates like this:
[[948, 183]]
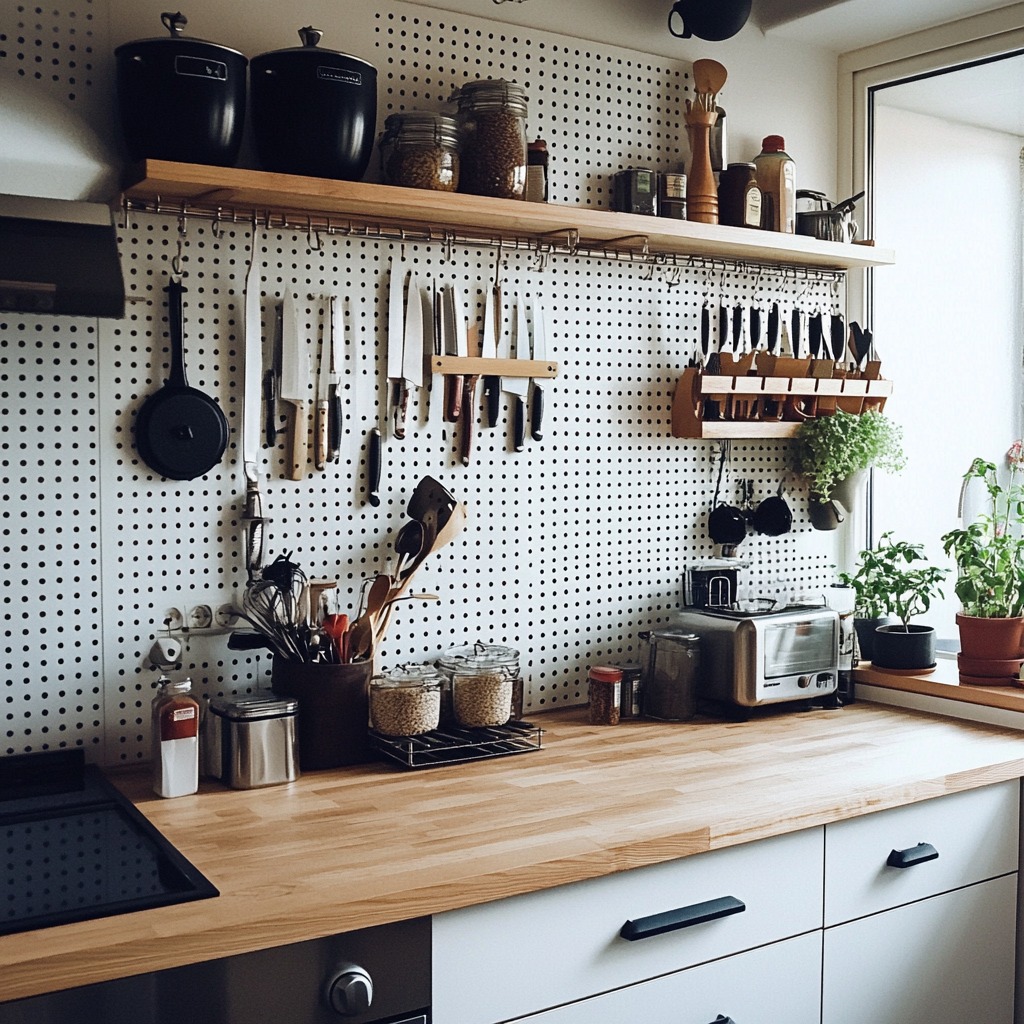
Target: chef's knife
[[519, 386], [396, 338], [336, 336], [773, 327], [412, 353], [794, 332], [755, 327], [705, 334], [540, 352], [737, 326], [321, 416], [469, 402], [817, 335], [271, 383], [838, 330], [489, 350], [458, 347], [253, 518], [723, 326], [295, 377]]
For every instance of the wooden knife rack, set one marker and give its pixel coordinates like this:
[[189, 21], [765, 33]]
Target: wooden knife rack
[[476, 365], [773, 400]]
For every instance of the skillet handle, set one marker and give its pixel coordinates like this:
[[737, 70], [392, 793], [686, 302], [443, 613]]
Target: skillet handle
[[175, 328]]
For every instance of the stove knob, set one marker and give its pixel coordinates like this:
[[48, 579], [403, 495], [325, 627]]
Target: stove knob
[[803, 682], [350, 990]]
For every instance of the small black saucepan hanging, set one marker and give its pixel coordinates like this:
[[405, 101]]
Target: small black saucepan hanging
[[180, 432], [726, 523]]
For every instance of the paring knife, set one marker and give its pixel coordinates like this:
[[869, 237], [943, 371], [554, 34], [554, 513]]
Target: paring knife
[[489, 350], [412, 353], [336, 337], [321, 415], [519, 386], [540, 352], [295, 379], [396, 339]]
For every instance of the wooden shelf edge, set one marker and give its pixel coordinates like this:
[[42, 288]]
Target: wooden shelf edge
[[360, 205]]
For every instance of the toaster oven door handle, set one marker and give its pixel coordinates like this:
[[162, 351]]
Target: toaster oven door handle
[[914, 855], [682, 917]]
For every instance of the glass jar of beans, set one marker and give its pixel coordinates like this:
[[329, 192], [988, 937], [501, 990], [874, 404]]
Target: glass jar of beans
[[420, 149], [405, 701], [492, 134], [484, 685]]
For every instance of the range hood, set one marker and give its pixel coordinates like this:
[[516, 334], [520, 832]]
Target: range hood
[[58, 244], [59, 256]]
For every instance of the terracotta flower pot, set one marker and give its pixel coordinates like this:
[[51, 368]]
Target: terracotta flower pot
[[997, 639]]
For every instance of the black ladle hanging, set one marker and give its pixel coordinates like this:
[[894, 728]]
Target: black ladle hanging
[[180, 432]]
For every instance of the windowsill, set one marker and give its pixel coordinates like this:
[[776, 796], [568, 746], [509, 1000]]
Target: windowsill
[[942, 681]]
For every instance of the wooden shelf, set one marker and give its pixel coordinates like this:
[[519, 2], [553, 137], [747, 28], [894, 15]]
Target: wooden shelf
[[358, 208], [742, 403]]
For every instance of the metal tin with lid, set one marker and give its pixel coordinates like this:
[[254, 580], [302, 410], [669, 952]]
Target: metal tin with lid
[[669, 688], [420, 149], [406, 701], [251, 742]]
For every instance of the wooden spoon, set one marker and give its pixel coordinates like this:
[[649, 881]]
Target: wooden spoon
[[708, 78]]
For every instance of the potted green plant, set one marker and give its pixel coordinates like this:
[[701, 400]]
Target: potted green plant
[[871, 599], [989, 556], [834, 453], [895, 576]]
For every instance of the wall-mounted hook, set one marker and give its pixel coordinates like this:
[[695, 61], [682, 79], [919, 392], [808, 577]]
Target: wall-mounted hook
[[313, 240], [215, 225], [177, 265]]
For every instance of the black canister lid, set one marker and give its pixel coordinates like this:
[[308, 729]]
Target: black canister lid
[[175, 24], [311, 49]]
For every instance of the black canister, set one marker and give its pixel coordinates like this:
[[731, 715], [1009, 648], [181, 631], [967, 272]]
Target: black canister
[[181, 99], [671, 675], [739, 198], [314, 111], [635, 190]]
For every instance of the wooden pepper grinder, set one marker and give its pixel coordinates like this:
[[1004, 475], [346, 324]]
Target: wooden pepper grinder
[[701, 114]]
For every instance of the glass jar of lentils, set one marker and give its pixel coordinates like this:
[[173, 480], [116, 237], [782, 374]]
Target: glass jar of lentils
[[492, 134], [405, 701], [420, 149], [483, 685]]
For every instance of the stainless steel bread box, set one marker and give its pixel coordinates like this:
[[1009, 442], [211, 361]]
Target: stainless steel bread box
[[250, 742], [755, 658]]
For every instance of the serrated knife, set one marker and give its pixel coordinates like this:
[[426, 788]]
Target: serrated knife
[[295, 377]]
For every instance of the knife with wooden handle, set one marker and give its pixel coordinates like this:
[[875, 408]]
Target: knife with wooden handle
[[489, 350], [295, 376], [540, 352], [469, 400], [519, 386], [321, 426]]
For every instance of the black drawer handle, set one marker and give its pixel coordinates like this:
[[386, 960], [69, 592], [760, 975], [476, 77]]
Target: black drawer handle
[[723, 1020], [671, 920], [914, 855]]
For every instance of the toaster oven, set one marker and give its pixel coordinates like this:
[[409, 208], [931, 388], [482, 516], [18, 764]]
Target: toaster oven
[[757, 658]]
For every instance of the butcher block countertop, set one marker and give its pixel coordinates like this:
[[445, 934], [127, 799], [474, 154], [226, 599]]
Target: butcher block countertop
[[345, 849]]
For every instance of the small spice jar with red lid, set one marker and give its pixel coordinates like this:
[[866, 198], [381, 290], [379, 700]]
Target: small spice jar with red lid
[[605, 684]]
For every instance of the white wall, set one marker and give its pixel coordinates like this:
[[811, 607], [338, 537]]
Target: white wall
[[947, 317]]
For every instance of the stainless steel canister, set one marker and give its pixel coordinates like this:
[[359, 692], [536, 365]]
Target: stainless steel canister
[[251, 741], [669, 687]]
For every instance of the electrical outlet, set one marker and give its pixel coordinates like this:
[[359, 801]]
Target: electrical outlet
[[226, 616], [200, 616], [172, 620]]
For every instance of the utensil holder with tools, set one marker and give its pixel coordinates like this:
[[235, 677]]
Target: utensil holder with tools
[[772, 400], [334, 710]]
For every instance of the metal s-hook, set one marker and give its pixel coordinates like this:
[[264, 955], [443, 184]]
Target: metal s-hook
[[312, 235], [177, 267]]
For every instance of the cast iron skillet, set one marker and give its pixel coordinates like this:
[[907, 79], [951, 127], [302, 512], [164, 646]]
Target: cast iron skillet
[[180, 432]]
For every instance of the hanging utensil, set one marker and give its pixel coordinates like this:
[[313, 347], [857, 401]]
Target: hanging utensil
[[773, 328], [737, 326], [336, 338], [180, 432], [412, 353], [794, 331], [396, 339], [519, 386], [540, 352], [321, 414], [816, 335], [295, 378], [489, 350], [469, 400]]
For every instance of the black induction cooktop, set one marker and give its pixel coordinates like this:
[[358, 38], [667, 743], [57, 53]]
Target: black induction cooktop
[[73, 847]]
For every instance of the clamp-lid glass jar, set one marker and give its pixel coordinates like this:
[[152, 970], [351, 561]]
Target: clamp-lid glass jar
[[420, 149], [485, 686], [405, 701], [492, 134]]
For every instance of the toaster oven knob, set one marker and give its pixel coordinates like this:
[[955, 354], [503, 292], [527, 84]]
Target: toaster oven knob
[[350, 990], [803, 682]]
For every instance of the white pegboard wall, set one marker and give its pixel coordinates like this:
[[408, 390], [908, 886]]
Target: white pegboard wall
[[572, 546]]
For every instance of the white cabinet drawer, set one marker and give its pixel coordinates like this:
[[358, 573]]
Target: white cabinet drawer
[[517, 956], [776, 984], [948, 959], [975, 834]]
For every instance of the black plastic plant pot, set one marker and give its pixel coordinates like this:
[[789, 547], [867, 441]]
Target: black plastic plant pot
[[907, 649]]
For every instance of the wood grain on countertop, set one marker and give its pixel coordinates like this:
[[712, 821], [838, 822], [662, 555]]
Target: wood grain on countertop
[[346, 849]]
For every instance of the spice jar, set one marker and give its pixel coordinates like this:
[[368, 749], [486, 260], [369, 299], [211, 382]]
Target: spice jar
[[420, 149], [406, 701], [739, 198], [635, 190], [492, 135], [478, 677], [605, 686], [672, 195], [175, 739], [629, 701]]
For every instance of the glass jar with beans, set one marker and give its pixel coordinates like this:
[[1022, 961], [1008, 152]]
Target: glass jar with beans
[[492, 133], [405, 701], [483, 685], [420, 149]]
